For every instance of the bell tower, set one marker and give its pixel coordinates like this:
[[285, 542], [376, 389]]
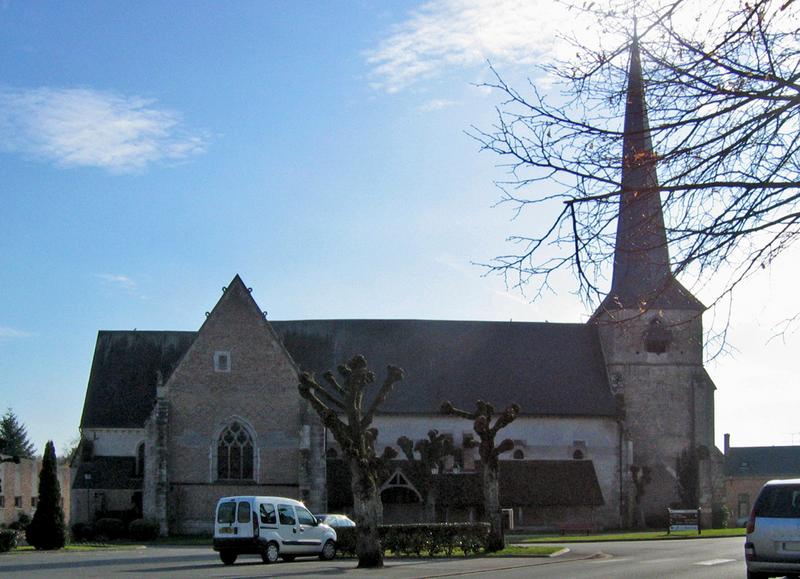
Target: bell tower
[[651, 331]]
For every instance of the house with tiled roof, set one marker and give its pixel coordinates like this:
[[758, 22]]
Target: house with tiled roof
[[174, 420], [747, 468]]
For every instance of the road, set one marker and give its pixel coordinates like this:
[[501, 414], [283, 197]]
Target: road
[[702, 559]]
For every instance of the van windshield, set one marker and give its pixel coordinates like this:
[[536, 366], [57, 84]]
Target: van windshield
[[226, 513], [779, 502]]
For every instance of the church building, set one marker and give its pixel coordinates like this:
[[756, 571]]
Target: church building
[[173, 420]]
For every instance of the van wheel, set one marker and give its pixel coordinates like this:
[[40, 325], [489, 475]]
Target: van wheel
[[287, 558], [328, 551], [270, 553], [227, 557]]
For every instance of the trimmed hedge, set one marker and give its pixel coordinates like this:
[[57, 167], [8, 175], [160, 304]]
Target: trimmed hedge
[[143, 530], [8, 540], [109, 528], [82, 532], [422, 539]]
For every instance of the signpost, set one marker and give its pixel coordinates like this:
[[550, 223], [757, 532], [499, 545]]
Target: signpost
[[684, 520]]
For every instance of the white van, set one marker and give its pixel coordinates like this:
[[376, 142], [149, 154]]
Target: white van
[[272, 527]]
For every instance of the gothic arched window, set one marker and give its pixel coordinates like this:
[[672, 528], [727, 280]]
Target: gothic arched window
[[235, 453]]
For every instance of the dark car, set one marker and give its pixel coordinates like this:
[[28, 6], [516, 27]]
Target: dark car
[[772, 547], [333, 520]]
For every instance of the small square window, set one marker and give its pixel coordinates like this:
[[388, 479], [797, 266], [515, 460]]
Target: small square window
[[222, 361], [18, 502]]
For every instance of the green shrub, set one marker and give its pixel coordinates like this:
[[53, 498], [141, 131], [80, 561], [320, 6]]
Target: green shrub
[[434, 538], [143, 530], [82, 532], [720, 517], [346, 540], [8, 540], [109, 528], [22, 522], [48, 530]]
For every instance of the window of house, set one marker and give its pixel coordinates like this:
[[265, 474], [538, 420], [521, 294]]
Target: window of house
[[18, 502], [743, 506], [235, 452], [518, 454], [140, 460], [34, 502], [2, 502], [578, 454], [222, 361]]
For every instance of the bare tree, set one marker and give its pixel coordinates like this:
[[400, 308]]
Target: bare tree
[[723, 92], [489, 453], [341, 408], [432, 453]]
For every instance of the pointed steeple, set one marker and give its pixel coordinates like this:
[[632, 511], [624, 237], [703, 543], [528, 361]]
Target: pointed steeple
[[642, 276]]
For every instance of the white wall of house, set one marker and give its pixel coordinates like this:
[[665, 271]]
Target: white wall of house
[[540, 438], [114, 441]]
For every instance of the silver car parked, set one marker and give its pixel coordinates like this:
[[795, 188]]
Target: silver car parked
[[772, 547]]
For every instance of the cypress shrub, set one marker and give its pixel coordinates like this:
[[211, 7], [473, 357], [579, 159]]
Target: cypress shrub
[[47, 530]]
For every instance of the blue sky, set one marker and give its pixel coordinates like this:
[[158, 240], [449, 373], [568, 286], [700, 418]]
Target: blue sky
[[152, 150]]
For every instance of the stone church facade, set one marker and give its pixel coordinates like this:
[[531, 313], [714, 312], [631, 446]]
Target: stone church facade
[[174, 420]]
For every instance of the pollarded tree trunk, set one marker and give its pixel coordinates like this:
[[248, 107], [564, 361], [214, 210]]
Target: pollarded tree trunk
[[491, 502], [368, 512], [341, 408], [489, 453]]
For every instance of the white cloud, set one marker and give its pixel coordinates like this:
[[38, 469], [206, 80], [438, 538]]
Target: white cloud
[[87, 128], [121, 281], [8, 333], [446, 34], [436, 105]]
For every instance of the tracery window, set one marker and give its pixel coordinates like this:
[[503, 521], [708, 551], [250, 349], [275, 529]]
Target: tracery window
[[235, 453]]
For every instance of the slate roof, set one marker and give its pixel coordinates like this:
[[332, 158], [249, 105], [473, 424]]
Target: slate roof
[[539, 483], [108, 472], [122, 382], [642, 278], [549, 369], [763, 461]]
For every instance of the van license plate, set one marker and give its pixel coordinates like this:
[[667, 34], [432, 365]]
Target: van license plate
[[226, 531]]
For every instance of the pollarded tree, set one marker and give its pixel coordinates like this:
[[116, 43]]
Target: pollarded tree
[[489, 453], [15, 435], [723, 95], [341, 408], [432, 453], [47, 530]]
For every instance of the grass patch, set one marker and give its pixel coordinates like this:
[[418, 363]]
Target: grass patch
[[628, 536]]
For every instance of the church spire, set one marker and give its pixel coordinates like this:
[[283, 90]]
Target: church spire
[[642, 277]]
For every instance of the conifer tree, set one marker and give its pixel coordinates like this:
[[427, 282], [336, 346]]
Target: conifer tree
[[47, 530], [15, 435]]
